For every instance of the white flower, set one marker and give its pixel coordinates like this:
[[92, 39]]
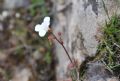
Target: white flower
[[43, 28]]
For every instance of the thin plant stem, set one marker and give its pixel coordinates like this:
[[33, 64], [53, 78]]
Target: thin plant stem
[[77, 72], [63, 48], [61, 43]]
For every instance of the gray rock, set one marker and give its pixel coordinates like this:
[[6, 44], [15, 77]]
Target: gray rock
[[96, 72]]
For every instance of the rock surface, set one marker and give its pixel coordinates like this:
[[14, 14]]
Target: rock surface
[[79, 22], [98, 72]]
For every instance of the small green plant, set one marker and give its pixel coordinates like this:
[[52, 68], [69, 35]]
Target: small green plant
[[109, 46]]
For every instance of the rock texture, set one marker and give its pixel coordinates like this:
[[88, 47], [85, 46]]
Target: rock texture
[[98, 72], [79, 21]]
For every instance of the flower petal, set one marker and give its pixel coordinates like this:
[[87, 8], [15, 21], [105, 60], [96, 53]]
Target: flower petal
[[46, 19], [42, 33], [38, 27], [45, 26]]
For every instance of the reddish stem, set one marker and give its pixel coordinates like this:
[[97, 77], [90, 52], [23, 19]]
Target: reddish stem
[[63, 48]]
